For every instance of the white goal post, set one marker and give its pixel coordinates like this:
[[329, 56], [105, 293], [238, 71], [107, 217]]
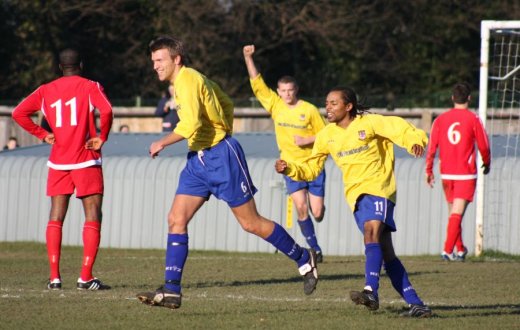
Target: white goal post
[[487, 27]]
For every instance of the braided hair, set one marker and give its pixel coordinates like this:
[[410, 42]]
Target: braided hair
[[349, 96]]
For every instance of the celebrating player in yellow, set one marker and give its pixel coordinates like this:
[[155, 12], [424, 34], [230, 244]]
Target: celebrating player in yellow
[[215, 165], [296, 124], [362, 146]]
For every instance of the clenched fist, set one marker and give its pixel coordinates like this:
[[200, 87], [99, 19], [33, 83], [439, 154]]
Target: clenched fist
[[280, 166], [249, 50]]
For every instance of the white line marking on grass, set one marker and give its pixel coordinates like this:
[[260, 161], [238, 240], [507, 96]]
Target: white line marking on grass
[[260, 298], [191, 258], [205, 296], [134, 258], [10, 296], [241, 297]]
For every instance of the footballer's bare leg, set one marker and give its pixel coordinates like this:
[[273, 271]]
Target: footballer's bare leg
[[317, 207], [59, 207], [92, 206], [182, 211], [300, 201], [252, 222]]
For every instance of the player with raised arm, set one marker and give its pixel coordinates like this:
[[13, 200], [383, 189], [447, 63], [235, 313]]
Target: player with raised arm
[[216, 165], [361, 145], [296, 123], [455, 133], [68, 104]]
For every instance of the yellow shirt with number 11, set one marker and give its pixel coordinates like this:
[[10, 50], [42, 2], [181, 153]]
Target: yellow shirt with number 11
[[364, 153]]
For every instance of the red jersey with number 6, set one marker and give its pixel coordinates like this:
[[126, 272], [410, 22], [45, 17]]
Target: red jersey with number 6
[[68, 104], [455, 133]]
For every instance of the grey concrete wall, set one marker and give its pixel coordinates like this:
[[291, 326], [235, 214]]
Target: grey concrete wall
[[139, 191]]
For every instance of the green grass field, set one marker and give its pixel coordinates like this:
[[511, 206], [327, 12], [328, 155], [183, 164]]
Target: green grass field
[[250, 291]]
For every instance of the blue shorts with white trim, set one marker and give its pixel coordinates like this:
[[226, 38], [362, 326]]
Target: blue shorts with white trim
[[315, 187], [369, 207], [220, 171]]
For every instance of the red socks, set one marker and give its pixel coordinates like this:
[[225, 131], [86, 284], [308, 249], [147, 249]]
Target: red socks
[[53, 238], [454, 234], [91, 239]]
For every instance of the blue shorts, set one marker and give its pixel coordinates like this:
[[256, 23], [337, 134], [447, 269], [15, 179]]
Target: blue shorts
[[315, 187], [220, 171], [369, 207]]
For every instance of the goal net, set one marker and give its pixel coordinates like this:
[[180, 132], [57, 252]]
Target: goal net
[[497, 212]]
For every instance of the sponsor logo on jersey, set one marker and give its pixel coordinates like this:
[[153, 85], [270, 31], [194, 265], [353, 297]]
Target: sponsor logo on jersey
[[352, 151], [292, 125]]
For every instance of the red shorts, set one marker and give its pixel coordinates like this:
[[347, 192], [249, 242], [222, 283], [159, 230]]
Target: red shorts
[[86, 181], [464, 189]]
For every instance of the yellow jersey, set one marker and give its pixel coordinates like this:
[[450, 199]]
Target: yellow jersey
[[303, 120], [363, 152], [205, 111]]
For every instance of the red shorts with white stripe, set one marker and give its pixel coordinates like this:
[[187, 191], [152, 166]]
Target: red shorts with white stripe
[[86, 181], [464, 189]]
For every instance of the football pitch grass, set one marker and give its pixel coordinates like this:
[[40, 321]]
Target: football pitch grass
[[224, 290]]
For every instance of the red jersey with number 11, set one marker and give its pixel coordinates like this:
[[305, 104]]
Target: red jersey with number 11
[[68, 105], [455, 133]]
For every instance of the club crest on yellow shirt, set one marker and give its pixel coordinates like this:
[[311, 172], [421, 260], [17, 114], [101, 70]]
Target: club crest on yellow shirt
[[362, 135], [302, 117]]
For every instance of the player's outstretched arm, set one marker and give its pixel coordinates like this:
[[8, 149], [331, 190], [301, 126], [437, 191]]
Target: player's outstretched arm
[[301, 141], [157, 146], [307, 170], [248, 51]]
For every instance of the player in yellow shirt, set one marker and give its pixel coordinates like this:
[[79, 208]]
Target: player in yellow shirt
[[215, 165], [361, 144], [296, 123]]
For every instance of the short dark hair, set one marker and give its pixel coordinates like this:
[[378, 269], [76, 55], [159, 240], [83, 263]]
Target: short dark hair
[[461, 93], [70, 58], [174, 46], [288, 80]]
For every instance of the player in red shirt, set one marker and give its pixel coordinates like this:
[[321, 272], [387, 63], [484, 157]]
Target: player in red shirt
[[68, 105], [455, 133]]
